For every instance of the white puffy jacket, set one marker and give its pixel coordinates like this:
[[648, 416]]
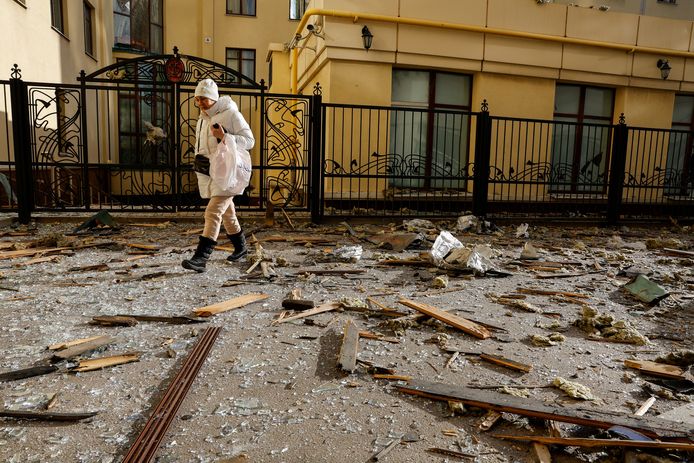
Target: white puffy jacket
[[226, 113]]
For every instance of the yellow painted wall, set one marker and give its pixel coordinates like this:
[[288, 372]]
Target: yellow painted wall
[[44, 54], [684, 9], [202, 28]]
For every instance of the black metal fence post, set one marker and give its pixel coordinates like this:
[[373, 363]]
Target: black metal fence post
[[86, 192], [316, 155], [483, 144], [22, 145], [617, 167]]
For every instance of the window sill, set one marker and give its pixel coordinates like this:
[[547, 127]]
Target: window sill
[[61, 33], [91, 56], [242, 15]]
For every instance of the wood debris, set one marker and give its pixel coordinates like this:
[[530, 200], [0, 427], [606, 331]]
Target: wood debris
[[45, 416], [326, 307], [104, 362], [462, 324], [231, 304], [347, 359], [83, 347], [603, 419], [586, 442], [656, 369]]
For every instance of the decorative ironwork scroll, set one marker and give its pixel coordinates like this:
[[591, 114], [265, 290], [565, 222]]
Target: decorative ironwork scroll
[[285, 139]]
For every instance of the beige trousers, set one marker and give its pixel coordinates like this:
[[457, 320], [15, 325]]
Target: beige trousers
[[220, 210]]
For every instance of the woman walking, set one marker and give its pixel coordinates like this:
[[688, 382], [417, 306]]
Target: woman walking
[[219, 118]]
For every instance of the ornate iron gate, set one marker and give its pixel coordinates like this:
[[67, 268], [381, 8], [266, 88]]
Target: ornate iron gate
[[123, 138]]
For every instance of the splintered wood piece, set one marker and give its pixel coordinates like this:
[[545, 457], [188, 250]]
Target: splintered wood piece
[[113, 320], [581, 442], [678, 252], [103, 362], [231, 304], [377, 337], [392, 377], [645, 407], [603, 419], [504, 362], [178, 320], [144, 247], [286, 217], [38, 260], [327, 307], [489, 420], [541, 453], [75, 342], [27, 373], [656, 369], [45, 416], [30, 252], [79, 349], [455, 321], [542, 292], [348, 351]]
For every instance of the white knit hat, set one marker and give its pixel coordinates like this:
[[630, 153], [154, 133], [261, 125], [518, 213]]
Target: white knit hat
[[208, 89]]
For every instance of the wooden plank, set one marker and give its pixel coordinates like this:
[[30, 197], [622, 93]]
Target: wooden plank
[[45, 416], [455, 321], [585, 442], [178, 320], [392, 377], [27, 372], [103, 362], [541, 453], [113, 320], [327, 307], [656, 369], [504, 362], [79, 349], [347, 359], [645, 407], [30, 252], [542, 292], [231, 304], [678, 252], [75, 342], [603, 419]]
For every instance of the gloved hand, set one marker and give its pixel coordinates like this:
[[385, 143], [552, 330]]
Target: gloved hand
[[201, 164]]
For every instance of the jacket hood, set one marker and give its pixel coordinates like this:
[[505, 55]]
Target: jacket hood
[[223, 104]]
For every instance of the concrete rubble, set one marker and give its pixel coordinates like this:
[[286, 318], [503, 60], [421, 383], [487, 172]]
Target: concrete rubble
[[541, 315]]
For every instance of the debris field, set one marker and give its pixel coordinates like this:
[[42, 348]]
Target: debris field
[[415, 341]]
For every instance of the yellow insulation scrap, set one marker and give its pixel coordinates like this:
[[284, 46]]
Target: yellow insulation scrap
[[575, 390]]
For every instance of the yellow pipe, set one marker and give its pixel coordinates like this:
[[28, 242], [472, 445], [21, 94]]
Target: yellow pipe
[[467, 28]]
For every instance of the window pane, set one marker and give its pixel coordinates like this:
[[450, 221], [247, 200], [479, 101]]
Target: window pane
[[410, 86], [57, 14], [249, 7], [598, 102], [139, 24], [248, 69], [155, 12], [121, 29], [566, 99], [157, 41], [232, 58], [684, 109], [408, 134], [453, 89], [88, 45], [234, 6]]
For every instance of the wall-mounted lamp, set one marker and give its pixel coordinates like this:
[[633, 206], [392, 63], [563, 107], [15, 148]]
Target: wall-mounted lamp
[[664, 67], [367, 37]]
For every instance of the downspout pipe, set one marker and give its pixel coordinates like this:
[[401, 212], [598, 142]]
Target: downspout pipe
[[356, 16]]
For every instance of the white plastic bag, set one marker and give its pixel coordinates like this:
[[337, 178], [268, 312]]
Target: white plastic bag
[[230, 167]]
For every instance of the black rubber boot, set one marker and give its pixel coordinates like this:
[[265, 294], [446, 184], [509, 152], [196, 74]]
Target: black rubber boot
[[240, 249], [202, 254]]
